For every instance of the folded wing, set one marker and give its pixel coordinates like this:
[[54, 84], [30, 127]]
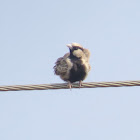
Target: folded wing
[[61, 65]]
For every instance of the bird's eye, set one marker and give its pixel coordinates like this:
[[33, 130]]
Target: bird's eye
[[76, 48]]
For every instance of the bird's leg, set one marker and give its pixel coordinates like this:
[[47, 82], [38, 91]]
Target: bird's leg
[[80, 83], [69, 85]]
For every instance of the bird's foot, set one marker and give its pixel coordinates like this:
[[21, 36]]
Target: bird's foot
[[69, 85], [80, 84]]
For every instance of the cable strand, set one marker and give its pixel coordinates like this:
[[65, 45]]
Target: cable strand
[[65, 86]]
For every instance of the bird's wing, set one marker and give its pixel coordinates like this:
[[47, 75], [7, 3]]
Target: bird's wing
[[89, 67], [61, 66], [87, 54], [86, 57]]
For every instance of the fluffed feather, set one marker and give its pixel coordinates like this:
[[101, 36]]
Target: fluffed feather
[[73, 66]]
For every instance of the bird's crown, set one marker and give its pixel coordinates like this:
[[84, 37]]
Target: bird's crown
[[74, 44]]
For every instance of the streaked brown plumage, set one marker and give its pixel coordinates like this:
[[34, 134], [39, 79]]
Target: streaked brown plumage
[[73, 66]]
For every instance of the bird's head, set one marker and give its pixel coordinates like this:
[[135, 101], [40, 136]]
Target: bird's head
[[76, 50]]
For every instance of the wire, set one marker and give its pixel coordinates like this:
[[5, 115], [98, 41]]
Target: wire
[[65, 86]]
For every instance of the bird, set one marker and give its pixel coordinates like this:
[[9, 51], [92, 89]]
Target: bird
[[73, 66]]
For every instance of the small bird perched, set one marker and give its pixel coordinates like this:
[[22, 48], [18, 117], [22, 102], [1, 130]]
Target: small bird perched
[[73, 66]]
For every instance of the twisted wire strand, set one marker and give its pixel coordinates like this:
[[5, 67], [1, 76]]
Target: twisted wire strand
[[65, 86]]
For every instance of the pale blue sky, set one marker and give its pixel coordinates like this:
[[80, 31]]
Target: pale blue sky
[[33, 34]]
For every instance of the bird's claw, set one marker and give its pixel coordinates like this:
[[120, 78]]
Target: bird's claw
[[69, 85], [80, 84]]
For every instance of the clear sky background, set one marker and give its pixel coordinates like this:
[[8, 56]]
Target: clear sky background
[[34, 33]]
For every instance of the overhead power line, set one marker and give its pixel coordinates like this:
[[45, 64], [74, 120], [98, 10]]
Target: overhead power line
[[65, 86]]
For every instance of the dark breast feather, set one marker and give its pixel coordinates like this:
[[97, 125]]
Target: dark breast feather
[[77, 72]]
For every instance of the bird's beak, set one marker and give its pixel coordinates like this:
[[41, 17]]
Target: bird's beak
[[69, 46]]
